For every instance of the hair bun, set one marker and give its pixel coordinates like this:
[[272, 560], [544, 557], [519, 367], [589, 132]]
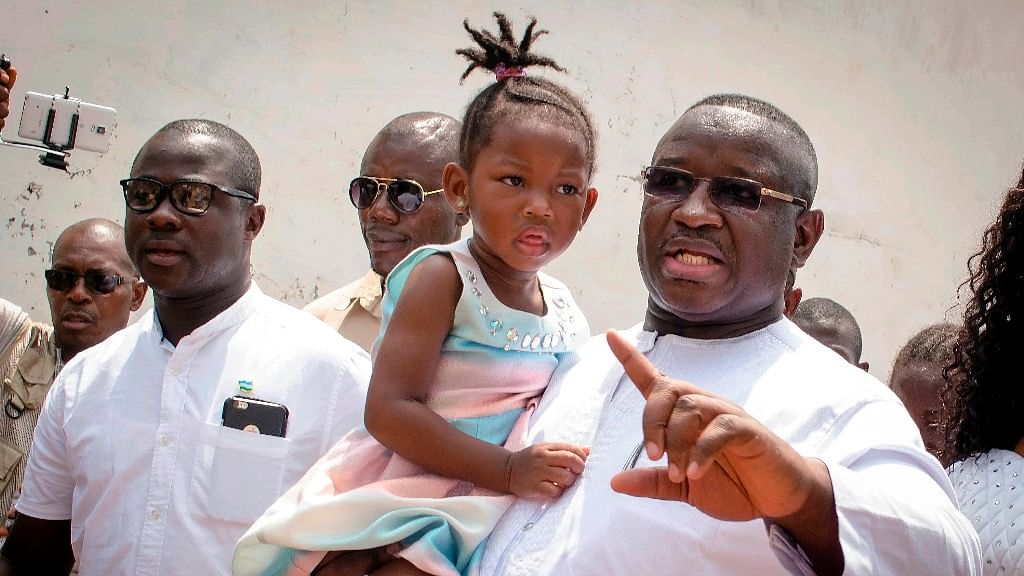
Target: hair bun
[[501, 54]]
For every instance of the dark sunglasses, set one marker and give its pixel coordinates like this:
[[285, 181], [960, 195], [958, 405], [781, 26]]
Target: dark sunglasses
[[188, 197], [95, 282], [727, 192], [405, 195]]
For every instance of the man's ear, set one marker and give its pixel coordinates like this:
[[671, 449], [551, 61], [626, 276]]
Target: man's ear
[[254, 220], [810, 225], [139, 289], [456, 190], [588, 207], [792, 299]]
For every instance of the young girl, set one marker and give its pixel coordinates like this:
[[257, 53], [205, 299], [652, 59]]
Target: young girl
[[472, 332]]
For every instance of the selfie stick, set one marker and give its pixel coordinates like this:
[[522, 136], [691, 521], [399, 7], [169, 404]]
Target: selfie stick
[[53, 156]]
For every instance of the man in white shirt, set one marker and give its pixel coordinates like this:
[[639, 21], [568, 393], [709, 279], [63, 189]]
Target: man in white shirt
[[400, 210], [780, 457], [132, 468]]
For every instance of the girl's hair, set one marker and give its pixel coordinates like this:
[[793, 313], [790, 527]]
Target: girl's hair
[[515, 96], [986, 398]]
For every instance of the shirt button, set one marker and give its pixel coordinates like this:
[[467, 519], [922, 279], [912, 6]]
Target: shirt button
[[155, 514], [528, 526], [164, 440], [175, 371]]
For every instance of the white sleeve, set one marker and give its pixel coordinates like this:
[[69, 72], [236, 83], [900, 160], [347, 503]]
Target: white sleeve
[[350, 400], [48, 485], [12, 322], [896, 507]]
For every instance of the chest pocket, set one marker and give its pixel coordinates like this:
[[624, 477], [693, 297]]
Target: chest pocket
[[9, 458], [237, 474], [33, 377]]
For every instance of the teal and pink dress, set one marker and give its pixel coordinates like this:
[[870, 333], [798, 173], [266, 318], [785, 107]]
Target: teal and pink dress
[[495, 364]]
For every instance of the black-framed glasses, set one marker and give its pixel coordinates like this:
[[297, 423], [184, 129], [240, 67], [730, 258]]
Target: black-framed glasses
[[95, 282], [187, 196], [405, 195], [727, 192]]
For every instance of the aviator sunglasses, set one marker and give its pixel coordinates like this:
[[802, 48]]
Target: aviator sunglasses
[[187, 197], [95, 282], [726, 192], [405, 195]]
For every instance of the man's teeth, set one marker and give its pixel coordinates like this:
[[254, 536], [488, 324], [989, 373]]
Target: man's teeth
[[692, 259]]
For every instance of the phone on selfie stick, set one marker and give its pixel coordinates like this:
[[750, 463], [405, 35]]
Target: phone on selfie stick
[[61, 123]]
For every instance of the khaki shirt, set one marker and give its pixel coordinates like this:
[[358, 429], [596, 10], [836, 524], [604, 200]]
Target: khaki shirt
[[353, 310], [29, 362]]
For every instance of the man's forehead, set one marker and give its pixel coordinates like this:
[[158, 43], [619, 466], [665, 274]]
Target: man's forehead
[[720, 127], [93, 248], [195, 154], [751, 146], [414, 154]]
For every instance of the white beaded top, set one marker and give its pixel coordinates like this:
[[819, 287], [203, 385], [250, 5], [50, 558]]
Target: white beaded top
[[990, 491]]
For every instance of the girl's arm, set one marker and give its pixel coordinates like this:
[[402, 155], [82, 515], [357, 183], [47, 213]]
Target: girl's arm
[[403, 375]]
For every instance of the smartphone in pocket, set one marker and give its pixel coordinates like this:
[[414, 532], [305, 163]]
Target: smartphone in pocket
[[254, 415]]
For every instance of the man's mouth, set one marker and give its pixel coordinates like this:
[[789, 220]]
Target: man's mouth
[[692, 259], [163, 252], [76, 320], [383, 239]]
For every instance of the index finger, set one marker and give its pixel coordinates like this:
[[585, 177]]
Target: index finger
[[639, 369], [7, 77]]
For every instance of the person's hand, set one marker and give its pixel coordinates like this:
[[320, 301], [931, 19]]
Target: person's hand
[[7, 79], [356, 562], [720, 459], [5, 527], [545, 469]]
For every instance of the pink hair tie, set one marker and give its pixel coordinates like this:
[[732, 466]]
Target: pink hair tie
[[501, 72]]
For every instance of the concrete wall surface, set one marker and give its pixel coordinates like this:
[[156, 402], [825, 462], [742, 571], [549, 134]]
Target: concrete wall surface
[[914, 107]]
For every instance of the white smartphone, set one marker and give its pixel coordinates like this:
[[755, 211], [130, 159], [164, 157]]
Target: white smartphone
[[64, 110], [33, 116], [95, 127]]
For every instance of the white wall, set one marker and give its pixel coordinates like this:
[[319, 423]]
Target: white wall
[[914, 106]]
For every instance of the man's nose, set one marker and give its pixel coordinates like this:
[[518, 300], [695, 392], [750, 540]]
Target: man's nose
[[79, 293], [381, 210], [164, 215], [697, 209]]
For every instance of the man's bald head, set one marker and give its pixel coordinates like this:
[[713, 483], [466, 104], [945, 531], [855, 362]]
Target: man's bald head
[[195, 135], [97, 232], [830, 323], [435, 134]]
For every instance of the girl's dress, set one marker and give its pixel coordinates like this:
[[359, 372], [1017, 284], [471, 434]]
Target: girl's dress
[[495, 363]]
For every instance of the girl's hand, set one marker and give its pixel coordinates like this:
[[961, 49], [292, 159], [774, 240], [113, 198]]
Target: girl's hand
[[545, 469]]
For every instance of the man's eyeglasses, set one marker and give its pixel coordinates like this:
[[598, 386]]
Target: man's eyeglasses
[[188, 197], [726, 192], [95, 282], [405, 195]]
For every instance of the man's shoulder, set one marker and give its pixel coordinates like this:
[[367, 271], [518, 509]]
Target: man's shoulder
[[824, 374], [299, 332], [332, 301]]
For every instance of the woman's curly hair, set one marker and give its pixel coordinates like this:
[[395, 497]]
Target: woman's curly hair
[[515, 97], [985, 398]]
